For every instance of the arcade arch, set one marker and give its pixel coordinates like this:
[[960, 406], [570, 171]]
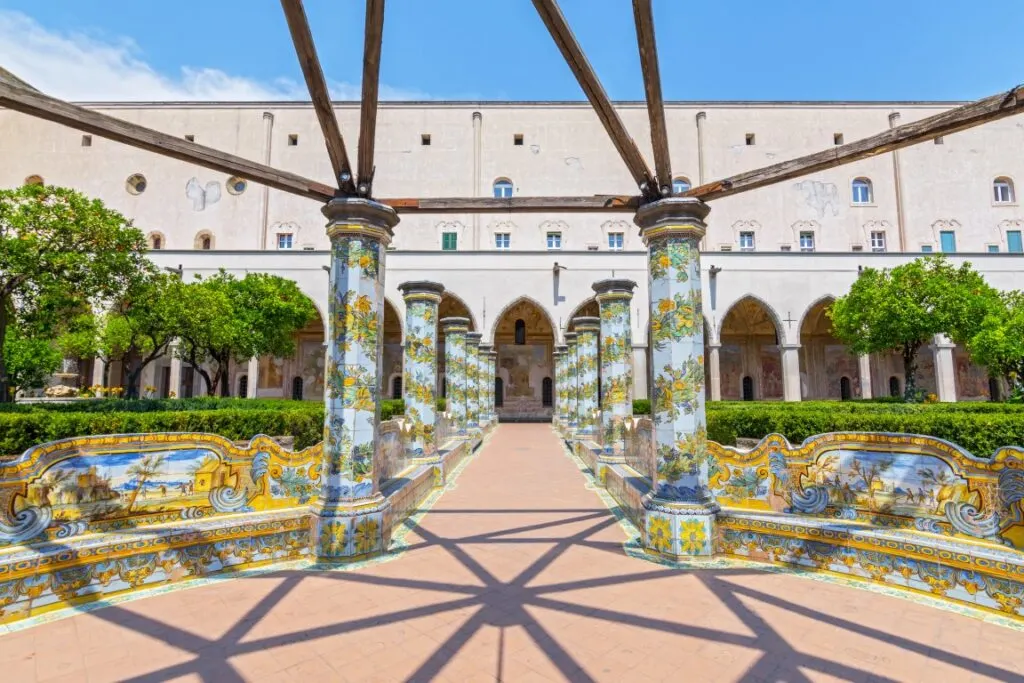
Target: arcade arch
[[524, 360], [825, 362], [750, 358]]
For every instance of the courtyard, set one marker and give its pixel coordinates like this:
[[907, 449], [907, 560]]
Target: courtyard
[[519, 573]]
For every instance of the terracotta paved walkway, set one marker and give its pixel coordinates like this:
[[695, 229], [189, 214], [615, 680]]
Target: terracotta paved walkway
[[518, 575]]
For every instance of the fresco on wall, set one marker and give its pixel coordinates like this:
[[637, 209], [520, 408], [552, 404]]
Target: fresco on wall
[[731, 371], [840, 363], [971, 380], [313, 370], [771, 372]]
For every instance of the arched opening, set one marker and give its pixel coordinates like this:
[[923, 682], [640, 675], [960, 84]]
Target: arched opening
[[748, 388], [520, 332], [894, 387], [750, 349], [203, 241], [155, 240], [545, 392], [243, 386], [297, 388], [396, 387], [393, 360], [680, 185], [444, 387], [524, 360], [995, 391], [503, 188], [824, 360], [450, 306], [1002, 191], [862, 191], [499, 393], [305, 366], [845, 392]]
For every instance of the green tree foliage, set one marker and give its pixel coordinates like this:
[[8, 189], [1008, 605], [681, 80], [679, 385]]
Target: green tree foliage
[[136, 331], [223, 317], [904, 308], [29, 360], [59, 250], [999, 342]]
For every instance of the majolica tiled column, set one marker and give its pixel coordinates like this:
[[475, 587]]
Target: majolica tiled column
[[486, 383], [587, 330], [558, 356], [473, 379], [455, 369], [350, 509], [419, 370], [680, 511], [613, 297], [572, 379], [492, 368]]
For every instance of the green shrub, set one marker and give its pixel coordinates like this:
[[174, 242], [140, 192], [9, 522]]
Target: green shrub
[[391, 407], [442, 405], [641, 406]]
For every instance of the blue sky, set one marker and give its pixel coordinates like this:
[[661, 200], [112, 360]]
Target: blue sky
[[486, 49]]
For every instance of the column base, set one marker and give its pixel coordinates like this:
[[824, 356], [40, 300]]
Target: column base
[[349, 531], [679, 531]]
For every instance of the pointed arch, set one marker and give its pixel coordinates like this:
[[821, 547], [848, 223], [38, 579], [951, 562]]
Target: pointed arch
[[748, 300], [491, 334], [454, 306], [750, 335], [588, 307], [823, 299]]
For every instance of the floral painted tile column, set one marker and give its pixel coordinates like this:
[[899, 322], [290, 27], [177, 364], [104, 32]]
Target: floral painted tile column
[[680, 510], [572, 379], [473, 379], [587, 330], [613, 298], [350, 509], [486, 383], [455, 330], [561, 392], [419, 370]]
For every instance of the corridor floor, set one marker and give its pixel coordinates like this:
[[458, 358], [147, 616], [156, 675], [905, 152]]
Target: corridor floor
[[518, 574]]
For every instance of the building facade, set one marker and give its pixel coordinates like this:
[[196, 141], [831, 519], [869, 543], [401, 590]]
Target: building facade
[[773, 258]]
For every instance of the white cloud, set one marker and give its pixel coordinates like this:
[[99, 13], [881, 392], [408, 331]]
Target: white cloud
[[77, 67]]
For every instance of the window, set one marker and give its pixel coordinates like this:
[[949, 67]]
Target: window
[[284, 240], [520, 332], [845, 388], [502, 240], [449, 241], [205, 243], [926, 249], [615, 241], [993, 248], [136, 184], [862, 193], [748, 388], [396, 387], [190, 137], [785, 247], [877, 240], [236, 185], [750, 139], [425, 139], [894, 386], [940, 140], [554, 240], [545, 392], [34, 180], [517, 139], [1013, 242], [297, 389], [680, 185], [243, 386], [86, 141], [502, 188], [947, 241], [1002, 189], [499, 392], [293, 140], [837, 138], [156, 242], [746, 241], [806, 241]]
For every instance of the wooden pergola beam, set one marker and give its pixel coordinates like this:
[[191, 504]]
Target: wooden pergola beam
[[440, 205], [372, 41], [570, 48], [42, 106], [961, 118], [302, 38], [643, 15]]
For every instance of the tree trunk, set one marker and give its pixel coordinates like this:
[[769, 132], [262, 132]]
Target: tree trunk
[[5, 394], [193, 362], [910, 371]]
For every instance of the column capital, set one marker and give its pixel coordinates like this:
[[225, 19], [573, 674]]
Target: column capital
[[586, 323], [473, 338], [355, 216], [714, 345], [570, 339], [788, 347], [454, 324], [418, 289], [485, 348], [682, 216], [561, 348], [614, 287]]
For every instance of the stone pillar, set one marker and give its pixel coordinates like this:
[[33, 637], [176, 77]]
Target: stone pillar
[[790, 372], [455, 330], [147, 378], [587, 330], [572, 378], [561, 391], [350, 509], [715, 371], [419, 368], [99, 371], [473, 379], [864, 370], [680, 509], [616, 358], [174, 378], [945, 369], [486, 383], [252, 381]]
